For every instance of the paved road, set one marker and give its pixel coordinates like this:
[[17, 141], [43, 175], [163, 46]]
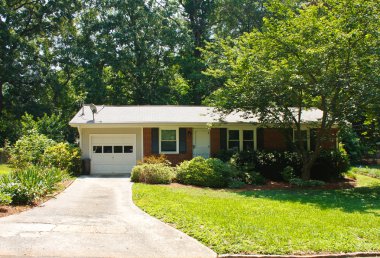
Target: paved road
[[94, 217]]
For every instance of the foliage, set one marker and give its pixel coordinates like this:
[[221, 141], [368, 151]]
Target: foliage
[[271, 164], [5, 199], [269, 221], [306, 183], [29, 150], [155, 159], [321, 55], [4, 153], [153, 173], [288, 173], [236, 184], [5, 169], [63, 156], [205, 172], [330, 165], [31, 183], [352, 144], [53, 127]]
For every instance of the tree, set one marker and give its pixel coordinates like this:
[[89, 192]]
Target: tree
[[323, 54]]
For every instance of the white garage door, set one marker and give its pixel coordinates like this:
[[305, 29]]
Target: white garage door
[[113, 154]]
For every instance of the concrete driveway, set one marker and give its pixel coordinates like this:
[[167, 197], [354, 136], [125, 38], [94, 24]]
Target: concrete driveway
[[94, 217]]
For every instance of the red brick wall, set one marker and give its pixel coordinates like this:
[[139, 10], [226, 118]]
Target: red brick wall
[[214, 141], [173, 158], [274, 139], [329, 142]]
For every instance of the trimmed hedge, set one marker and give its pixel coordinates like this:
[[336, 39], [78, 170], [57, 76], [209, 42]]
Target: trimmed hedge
[[153, 173], [205, 172]]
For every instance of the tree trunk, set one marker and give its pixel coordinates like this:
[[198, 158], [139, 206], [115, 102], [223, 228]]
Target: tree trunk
[[1, 97], [306, 170]]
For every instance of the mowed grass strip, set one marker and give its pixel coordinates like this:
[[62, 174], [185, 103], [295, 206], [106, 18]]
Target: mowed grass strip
[[272, 221]]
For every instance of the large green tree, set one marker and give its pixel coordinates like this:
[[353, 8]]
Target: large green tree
[[322, 54]]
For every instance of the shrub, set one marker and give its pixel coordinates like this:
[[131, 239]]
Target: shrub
[[205, 172], [155, 159], [26, 185], [156, 173], [236, 184], [5, 199], [288, 173], [269, 164], [29, 150], [331, 164], [306, 183], [63, 156]]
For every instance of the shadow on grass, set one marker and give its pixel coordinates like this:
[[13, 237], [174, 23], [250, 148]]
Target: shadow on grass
[[362, 199]]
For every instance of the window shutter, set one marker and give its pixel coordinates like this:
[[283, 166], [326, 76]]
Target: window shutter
[[223, 138], [260, 138], [155, 139], [182, 140]]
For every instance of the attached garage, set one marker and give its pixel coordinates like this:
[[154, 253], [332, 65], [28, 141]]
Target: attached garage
[[112, 153]]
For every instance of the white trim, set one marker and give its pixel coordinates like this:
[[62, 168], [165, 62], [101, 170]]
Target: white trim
[[241, 134], [142, 143], [177, 140]]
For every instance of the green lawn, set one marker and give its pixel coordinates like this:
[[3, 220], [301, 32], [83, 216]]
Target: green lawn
[[4, 169], [373, 171], [271, 221]]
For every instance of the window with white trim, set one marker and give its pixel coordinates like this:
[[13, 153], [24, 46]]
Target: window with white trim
[[168, 140], [241, 139], [248, 140], [234, 140]]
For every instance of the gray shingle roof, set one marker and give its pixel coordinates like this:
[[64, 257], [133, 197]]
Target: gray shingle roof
[[167, 115]]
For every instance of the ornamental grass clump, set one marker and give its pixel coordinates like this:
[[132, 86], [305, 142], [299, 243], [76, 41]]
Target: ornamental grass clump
[[24, 186]]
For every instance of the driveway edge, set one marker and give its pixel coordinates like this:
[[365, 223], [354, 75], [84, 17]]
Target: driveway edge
[[356, 254]]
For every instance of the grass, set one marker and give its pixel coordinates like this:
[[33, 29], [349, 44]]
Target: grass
[[5, 169], [271, 221], [373, 171]]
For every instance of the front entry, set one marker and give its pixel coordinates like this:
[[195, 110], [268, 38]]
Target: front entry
[[201, 143]]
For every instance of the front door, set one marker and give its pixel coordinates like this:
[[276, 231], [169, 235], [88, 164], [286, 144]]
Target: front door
[[201, 143]]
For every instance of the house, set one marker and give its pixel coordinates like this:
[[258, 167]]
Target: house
[[116, 137]]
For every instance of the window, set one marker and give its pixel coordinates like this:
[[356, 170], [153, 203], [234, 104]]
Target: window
[[97, 149], [233, 140], [248, 140], [303, 138], [169, 140], [117, 149], [107, 149], [128, 149]]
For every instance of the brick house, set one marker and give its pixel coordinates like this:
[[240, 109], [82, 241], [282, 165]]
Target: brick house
[[116, 137]]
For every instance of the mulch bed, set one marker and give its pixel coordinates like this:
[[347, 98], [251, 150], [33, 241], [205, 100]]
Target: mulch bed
[[6, 210], [345, 183]]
